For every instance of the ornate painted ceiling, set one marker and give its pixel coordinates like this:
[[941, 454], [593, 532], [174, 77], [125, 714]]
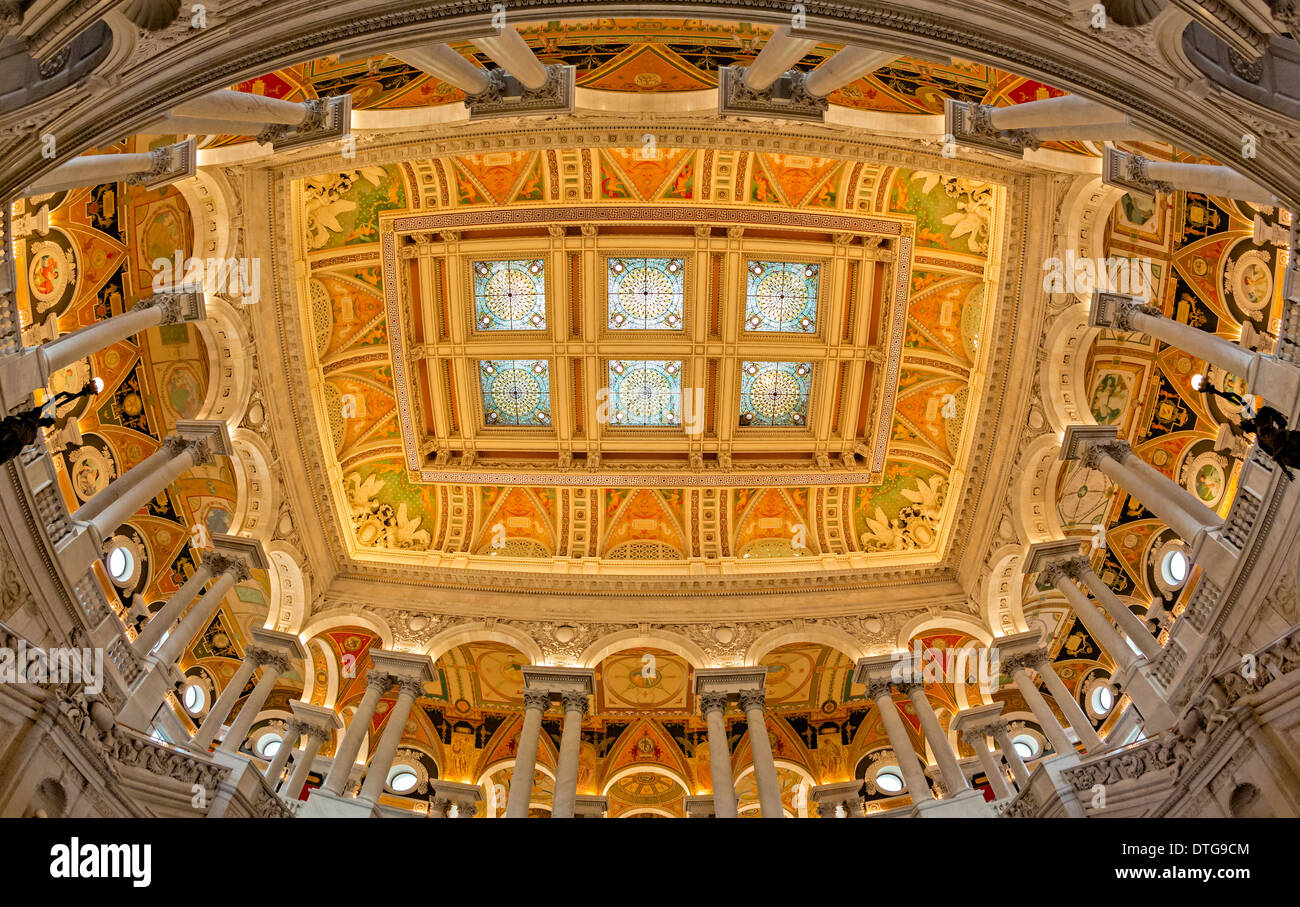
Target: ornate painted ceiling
[[686, 356]]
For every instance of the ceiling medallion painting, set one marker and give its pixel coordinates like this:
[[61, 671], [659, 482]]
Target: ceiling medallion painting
[[542, 354]]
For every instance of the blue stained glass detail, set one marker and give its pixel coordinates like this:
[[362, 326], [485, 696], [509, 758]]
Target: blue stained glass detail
[[515, 392], [646, 294], [645, 393], [775, 393], [781, 296], [510, 295]]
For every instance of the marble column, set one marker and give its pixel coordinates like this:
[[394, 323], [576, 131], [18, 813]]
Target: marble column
[[151, 169], [377, 684], [441, 62], [232, 571], [1063, 575], [992, 769], [1131, 171], [512, 53], [1176, 507], [408, 690], [521, 778], [881, 692], [293, 730], [302, 762], [160, 623], [781, 52], [713, 705], [1132, 626], [752, 703], [998, 731], [273, 664], [171, 307], [1050, 114], [1067, 703], [566, 771], [220, 710], [244, 106], [1016, 666], [847, 65], [954, 779], [1276, 381]]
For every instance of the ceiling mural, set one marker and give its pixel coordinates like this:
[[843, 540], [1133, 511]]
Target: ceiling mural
[[421, 379]]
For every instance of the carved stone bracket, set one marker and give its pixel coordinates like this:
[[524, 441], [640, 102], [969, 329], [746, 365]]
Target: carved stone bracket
[[971, 124], [505, 96], [788, 97]]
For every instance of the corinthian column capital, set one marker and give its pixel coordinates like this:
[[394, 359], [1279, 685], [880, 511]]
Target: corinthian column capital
[[537, 699], [574, 701], [753, 699], [1095, 451], [713, 702]]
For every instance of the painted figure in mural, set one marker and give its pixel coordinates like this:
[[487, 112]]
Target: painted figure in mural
[[23, 428]]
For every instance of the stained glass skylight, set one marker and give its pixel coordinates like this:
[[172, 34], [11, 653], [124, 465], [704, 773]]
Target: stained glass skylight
[[645, 393], [646, 294], [781, 296], [510, 295], [516, 392], [774, 393]]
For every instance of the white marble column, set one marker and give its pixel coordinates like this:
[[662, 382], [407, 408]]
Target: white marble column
[[781, 52], [1176, 507], [273, 664], [220, 710], [225, 104], [998, 731], [713, 705], [954, 779], [992, 769], [377, 684], [172, 307], [1049, 114], [566, 771], [1016, 666], [521, 778], [302, 762], [233, 571], [1276, 381], [292, 731], [881, 692], [847, 65], [1068, 704], [1063, 575], [150, 169], [441, 62], [753, 704], [175, 606], [1126, 169], [512, 53], [1130, 623], [408, 690]]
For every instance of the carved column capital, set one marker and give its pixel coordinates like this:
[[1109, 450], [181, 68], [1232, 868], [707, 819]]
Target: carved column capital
[[220, 563], [537, 699], [753, 699], [574, 701], [1094, 451], [713, 702], [411, 687], [319, 734], [1025, 660], [878, 688], [379, 680], [907, 686]]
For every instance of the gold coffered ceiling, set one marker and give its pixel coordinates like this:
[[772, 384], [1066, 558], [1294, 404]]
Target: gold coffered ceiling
[[470, 431]]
